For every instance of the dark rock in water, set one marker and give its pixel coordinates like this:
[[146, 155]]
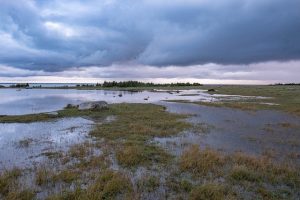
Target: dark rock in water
[[120, 95], [94, 105], [68, 106], [133, 90], [211, 90]]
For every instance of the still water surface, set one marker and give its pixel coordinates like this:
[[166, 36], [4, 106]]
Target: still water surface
[[230, 129]]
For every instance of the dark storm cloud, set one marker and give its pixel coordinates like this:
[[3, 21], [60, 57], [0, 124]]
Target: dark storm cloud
[[55, 35]]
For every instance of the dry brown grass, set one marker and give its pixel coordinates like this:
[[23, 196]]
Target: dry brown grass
[[251, 173], [43, 175], [200, 162], [208, 192], [10, 187], [134, 154], [111, 185]]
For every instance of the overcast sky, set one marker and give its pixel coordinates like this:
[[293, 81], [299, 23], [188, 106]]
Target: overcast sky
[[209, 41]]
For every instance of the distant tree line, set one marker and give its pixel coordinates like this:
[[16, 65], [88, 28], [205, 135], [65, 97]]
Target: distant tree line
[[87, 85], [137, 84], [20, 85], [287, 84]]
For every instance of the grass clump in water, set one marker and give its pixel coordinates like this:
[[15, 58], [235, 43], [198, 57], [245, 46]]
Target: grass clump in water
[[9, 186], [239, 170], [43, 176], [110, 185], [208, 192], [25, 143], [137, 154], [8, 179], [200, 162], [242, 173], [149, 183]]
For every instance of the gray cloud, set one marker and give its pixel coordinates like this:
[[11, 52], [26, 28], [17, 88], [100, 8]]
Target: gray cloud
[[53, 35], [259, 73]]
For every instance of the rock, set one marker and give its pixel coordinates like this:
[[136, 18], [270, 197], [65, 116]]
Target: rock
[[94, 105], [71, 106], [211, 90]]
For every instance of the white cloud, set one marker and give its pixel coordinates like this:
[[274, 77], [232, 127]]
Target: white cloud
[[61, 29]]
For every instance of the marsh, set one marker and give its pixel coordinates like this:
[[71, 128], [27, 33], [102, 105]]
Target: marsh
[[176, 144]]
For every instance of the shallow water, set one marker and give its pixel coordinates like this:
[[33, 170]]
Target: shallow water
[[23, 144], [236, 130], [230, 129], [26, 101]]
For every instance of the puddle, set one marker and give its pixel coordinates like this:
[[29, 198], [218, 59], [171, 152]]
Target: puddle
[[23, 144]]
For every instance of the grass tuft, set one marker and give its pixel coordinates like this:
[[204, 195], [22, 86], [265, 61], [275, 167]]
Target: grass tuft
[[208, 192], [200, 162]]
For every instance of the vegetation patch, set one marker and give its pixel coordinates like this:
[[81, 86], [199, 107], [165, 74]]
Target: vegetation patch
[[137, 154], [238, 169], [208, 192], [149, 183], [286, 96], [242, 173], [200, 162], [141, 120], [10, 187], [25, 143]]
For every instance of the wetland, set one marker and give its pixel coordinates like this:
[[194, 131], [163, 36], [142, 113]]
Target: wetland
[[232, 142]]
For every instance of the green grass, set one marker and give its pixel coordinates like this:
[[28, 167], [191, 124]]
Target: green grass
[[9, 186], [208, 192], [284, 98], [200, 162], [136, 124], [288, 97], [140, 154], [68, 112], [148, 183], [141, 121], [109, 185], [242, 173], [251, 173], [43, 176], [7, 179]]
